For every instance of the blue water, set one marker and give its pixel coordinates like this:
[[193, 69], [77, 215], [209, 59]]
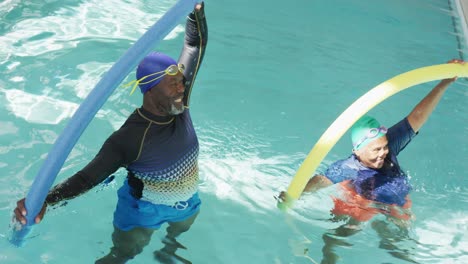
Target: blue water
[[275, 76]]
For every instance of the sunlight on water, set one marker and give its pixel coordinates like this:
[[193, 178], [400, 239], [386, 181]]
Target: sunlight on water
[[70, 26], [232, 169], [444, 235], [273, 79], [39, 109]]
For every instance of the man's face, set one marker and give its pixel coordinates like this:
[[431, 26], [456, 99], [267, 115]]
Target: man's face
[[373, 154], [168, 95]]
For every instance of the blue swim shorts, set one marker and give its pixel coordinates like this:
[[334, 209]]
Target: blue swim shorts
[[132, 212]]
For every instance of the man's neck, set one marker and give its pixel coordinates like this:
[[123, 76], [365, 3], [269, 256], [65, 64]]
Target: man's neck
[[149, 106]]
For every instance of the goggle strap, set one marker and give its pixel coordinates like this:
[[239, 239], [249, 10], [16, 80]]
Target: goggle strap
[[134, 83], [180, 68], [137, 82], [134, 88]]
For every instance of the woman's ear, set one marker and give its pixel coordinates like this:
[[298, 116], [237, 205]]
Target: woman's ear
[[356, 153]]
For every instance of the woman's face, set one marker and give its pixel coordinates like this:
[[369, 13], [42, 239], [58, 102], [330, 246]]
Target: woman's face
[[374, 153]]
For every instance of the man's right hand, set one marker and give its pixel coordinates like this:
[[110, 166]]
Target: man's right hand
[[20, 212]]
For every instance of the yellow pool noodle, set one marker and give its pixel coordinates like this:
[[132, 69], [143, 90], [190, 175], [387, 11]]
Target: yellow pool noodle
[[360, 107]]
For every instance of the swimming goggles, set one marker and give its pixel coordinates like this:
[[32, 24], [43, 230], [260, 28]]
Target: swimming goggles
[[371, 133], [171, 70]]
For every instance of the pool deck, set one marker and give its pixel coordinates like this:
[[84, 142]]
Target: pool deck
[[464, 8], [462, 12]]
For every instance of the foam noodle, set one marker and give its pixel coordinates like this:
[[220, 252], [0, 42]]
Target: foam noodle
[[355, 111], [87, 110]]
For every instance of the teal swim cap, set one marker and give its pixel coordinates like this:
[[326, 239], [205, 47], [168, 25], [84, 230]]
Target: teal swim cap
[[365, 130]]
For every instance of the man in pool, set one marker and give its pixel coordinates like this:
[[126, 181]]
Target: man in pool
[[372, 179], [159, 148]]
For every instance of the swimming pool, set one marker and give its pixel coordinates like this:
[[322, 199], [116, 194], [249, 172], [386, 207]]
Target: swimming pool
[[275, 76]]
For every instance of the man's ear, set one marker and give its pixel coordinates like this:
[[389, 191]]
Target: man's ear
[[150, 90]]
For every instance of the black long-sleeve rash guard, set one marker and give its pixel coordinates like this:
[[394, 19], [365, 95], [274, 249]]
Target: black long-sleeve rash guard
[[124, 146]]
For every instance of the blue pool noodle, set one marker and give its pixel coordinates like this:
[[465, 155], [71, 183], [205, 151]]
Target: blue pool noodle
[[88, 109]]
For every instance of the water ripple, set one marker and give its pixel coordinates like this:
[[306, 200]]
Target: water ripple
[[236, 166], [69, 25]]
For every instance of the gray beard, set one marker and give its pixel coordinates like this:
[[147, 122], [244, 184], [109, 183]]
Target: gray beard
[[176, 111]]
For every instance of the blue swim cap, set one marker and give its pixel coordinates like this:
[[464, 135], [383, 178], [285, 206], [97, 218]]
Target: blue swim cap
[[365, 130], [152, 63]]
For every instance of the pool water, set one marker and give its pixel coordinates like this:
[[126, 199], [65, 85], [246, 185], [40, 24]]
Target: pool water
[[276, 74]]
